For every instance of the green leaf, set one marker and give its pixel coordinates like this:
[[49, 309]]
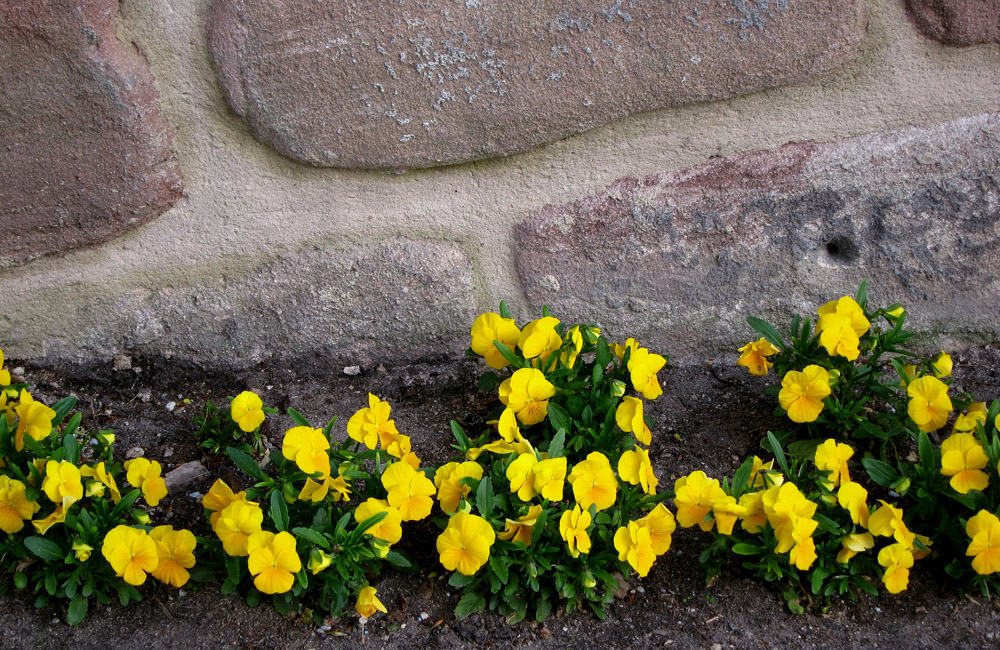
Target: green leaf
[[72, 426], [542, 609], [279, 511], [246, 463], [398, 560], [298, 418], [499, 568], [965, 499], [765, 329], [927, 458], [470, 603], [747, 549], [741, 479], [125, 504], [463, 440], [559, 418], [374, 520], [62, 409], [880, 472], [485, 499], [72, 446], [556, 446], [489, 382], [804, 449], [598, 376], [77, 610], [509, 355], [459, 580], [779, 455], [312, 536], [20, 579], [863, 295], [604, 354], [44, 549], [504, 311]]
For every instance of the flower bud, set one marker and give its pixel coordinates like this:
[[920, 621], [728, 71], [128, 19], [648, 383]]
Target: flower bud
[[901, 487], [894, 314], [465, 507], [617, 387], [288, 491], [381, 547], [81, 550], [141, 517], [589, 581], [318, 560]]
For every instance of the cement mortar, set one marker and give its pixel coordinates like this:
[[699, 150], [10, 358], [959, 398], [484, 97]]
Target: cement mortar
[[245, 204]]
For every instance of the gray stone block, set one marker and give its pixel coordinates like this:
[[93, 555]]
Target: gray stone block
[[401, 301], [679, 259], [84, 152], [418, 84]]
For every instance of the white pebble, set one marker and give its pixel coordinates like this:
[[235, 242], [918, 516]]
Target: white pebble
[[171, 406], [352, 371]]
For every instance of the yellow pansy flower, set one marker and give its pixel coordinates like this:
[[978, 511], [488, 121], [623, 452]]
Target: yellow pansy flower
[[573, 526], [491, 327], [247, 411], [594, 482], [753, 356], [131, 552], [629, 417], [802, 393], [464, 545], [963, 459], [368, 603], [929, 404], [273, 561]]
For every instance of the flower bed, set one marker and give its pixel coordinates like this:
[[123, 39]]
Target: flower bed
[[564, 496]]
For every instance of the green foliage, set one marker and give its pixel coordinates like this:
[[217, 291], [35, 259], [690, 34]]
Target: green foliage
[[869, 367], [522, 484], [217, 431]]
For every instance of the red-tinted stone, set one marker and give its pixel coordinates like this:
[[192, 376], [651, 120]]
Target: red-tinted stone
[[679, 259], [84, 151], [957, 22], [423, 83]]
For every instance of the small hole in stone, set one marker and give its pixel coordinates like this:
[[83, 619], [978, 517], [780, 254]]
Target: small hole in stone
[[842, 249]]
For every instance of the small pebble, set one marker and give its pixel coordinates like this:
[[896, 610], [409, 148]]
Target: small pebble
[[122, 362], [168, 452], [171, 406], [134, 452], [424, 616], [195, 495], [144, 396], [352, 371]]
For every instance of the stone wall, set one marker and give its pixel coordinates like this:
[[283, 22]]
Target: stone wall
[[228, 182]]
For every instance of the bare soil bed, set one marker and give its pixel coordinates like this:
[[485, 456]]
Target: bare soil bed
[[710, 418]]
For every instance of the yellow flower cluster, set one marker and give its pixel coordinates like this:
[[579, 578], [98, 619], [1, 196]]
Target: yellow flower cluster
[[69, 487], [133, 553], [371, 427]]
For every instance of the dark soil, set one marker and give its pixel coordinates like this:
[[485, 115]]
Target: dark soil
[[709, 418]]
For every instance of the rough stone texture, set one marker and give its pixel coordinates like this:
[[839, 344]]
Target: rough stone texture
[[84, 151], [401, 301], [957, 22], [422, 83], [679, 259]]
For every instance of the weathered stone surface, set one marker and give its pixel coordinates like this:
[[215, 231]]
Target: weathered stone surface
[[84, 151], [957, 22], [422, 83], [678, 260], [401, 301]]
